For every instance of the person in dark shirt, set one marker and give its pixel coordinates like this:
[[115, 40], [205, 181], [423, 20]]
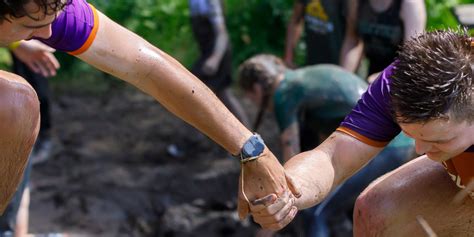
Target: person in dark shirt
[[324, 26], [376, 29]]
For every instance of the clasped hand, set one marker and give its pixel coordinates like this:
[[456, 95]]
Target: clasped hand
[[267, 192]]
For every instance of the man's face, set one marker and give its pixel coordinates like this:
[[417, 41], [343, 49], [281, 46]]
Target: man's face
[[440, 139], [16, 29]]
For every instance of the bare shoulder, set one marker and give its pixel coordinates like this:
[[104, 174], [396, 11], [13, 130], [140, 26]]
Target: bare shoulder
[[10, 77]]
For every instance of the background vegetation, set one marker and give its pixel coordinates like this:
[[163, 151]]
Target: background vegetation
[[254, 26]]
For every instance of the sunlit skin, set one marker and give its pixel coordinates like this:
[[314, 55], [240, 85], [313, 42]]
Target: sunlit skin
[[440, 139], [127, 56], [37, 24]]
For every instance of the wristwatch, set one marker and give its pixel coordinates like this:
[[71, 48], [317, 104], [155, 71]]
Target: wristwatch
[[252, 149]]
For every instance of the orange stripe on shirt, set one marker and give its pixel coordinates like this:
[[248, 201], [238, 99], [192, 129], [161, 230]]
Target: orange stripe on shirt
[[92, 35], [463, 164], [361, 138]]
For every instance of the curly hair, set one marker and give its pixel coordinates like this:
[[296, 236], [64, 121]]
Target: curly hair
[[16, 8], [262, 69], [433, 78]]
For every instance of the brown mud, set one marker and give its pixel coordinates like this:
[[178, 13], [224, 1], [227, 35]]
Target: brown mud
[[110, 174]]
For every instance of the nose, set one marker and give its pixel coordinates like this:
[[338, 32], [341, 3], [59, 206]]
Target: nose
[[422, 147], [43, 32]]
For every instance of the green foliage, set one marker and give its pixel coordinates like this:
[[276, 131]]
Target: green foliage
[[255, 26], [440, 15], [164, 23], [5, 60]]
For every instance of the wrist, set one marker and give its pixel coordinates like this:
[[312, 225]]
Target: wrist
[[252, 149]]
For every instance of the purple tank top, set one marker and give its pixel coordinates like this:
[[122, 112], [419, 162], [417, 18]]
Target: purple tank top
[[75, 28], [371, 120]]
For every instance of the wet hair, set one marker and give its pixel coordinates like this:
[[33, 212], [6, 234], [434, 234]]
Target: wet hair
[[433, 78], [264, 70], [16, 8]]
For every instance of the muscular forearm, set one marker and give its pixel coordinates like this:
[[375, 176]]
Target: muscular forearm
[[315, 176], [320, 170], [188, 98], [129, 57]]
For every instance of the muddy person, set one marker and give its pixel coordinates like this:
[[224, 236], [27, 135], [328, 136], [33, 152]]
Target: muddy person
[[427, 94], [76, 27], [309, 104]]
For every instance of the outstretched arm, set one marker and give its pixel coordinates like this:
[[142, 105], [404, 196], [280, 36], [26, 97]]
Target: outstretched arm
[[325, 167], [316, 172], [19, 113], [127, 56]]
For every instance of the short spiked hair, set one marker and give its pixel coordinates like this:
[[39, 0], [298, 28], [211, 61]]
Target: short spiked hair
[[433, 78]]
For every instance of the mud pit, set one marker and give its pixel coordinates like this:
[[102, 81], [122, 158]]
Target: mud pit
[[111, 174]]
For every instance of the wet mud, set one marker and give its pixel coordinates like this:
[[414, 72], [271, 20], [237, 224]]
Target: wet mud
[[111, 174]]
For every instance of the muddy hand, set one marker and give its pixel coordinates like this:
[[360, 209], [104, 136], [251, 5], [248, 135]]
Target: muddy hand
[[260, 178], [274, 213]]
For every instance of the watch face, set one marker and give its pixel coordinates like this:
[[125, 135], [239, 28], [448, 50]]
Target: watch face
[[253, 147]]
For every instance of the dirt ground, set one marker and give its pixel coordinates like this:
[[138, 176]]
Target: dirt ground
[[111, 175]]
